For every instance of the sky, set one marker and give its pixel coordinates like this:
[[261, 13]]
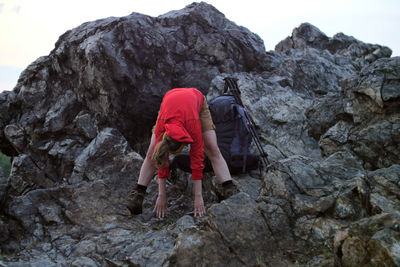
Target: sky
[[30, 28]]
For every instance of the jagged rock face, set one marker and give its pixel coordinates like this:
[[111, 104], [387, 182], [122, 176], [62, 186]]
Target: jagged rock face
[[113, 73], [307, 36], [372, 103], [120, 67], [327, 113]]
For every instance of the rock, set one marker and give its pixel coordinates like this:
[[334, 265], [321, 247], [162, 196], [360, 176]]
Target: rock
[[207, 248], [335, 138], [372, 93], [325, 113], [313, 72], [77, 124], [384, 245], [211, 40], [367, 125], [185, 222], [377, 144], [64, 109], [243, 228], [152, 248], [307, 35], [89, 200], [86, 125], [16, 136], [371, 241], [84, 262], [318, 196], [27, 175], [249, 184], [304, 36], [385, 189], [379, 82], [105, 73], [92, 164]]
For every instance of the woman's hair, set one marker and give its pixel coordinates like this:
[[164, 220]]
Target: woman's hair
[[160, 154]]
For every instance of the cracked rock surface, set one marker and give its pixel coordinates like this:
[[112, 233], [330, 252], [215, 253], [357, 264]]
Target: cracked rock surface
[[78, 122]]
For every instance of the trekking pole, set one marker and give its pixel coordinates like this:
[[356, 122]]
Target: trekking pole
[[231, 83]]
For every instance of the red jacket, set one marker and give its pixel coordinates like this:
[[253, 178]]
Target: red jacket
[[179, 117]]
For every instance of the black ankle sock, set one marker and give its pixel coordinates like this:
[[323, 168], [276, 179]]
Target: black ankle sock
[[226, 183], [141, 188]]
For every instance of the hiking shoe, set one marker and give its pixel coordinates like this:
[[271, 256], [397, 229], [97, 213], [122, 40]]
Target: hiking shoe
[[228, 191], [135, 202]]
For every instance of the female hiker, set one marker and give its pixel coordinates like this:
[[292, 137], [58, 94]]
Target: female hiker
[[184, 118]]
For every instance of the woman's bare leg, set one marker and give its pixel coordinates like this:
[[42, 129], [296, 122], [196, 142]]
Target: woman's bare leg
[[147, 170], [214, 154]]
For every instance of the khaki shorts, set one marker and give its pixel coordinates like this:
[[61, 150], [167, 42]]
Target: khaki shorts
[[205, 118]]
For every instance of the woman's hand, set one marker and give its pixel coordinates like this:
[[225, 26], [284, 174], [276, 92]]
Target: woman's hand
[[199, 209], [161, 206], [161, 203]]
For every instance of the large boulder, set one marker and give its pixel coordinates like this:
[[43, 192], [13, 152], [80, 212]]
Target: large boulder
[[113, 72]]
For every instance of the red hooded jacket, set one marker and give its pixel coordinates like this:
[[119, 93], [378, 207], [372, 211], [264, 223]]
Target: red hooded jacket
[[179, 117]]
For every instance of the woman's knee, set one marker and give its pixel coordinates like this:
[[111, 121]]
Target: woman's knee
[[211, 145]]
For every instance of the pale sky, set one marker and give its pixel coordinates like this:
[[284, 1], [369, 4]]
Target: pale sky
[[30, 28]]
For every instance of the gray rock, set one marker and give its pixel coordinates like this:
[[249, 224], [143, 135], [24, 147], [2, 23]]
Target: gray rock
[[378, 143], [371, 241], [385, 185], [335, 138], [365, 91], [152, 248], [84, 262], [90, 200], [26, 175], [107, 72], [109, 158], [304, 36], [312, 193], [324, 113], [379, 82], [86, 125], [61, 112], [16, 136], [243, 228], [185, 222], [78, 122], [196, 247], [307, 35]]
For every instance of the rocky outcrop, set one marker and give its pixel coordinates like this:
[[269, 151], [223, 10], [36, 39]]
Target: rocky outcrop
[[113, 73], [78, 121], [308, 36]]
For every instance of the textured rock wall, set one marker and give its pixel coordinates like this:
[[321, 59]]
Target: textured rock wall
[[77, 125]]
